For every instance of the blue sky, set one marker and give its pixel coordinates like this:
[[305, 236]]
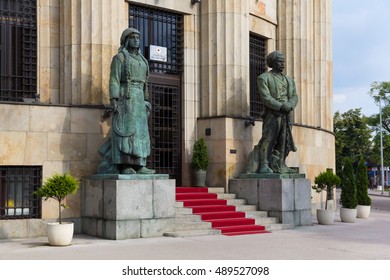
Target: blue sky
[[361, 52]]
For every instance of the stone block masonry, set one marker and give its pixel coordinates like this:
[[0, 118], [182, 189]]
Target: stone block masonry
[[287, 199], [127, 206]]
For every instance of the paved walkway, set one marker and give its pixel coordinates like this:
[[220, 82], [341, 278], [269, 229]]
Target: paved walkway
[[366, 239]]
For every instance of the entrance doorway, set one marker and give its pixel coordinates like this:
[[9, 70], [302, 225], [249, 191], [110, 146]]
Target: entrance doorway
[[163, 29]]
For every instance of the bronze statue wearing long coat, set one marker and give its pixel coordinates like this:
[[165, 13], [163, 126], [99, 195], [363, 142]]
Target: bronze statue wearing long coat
[[279, 97], [129, 145]]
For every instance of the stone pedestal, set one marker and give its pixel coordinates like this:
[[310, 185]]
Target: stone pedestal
[[288, 199], [127, 206]]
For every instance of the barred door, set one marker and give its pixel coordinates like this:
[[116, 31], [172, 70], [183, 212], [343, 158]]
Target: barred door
[[164, 29]]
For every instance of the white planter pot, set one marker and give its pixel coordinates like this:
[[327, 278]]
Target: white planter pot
[[363, 211], [325, 217], [59, 234], [348, 215]]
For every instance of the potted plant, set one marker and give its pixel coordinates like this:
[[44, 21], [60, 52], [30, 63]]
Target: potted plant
[[348, 198], [200, 162], [326, 181], [58, 187], [363, 200]]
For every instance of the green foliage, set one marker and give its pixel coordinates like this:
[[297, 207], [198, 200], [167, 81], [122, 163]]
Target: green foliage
[[362, 184], [348, 191], [58, 186], [379, 91], [326, 181], [200, 159], [352, 136]]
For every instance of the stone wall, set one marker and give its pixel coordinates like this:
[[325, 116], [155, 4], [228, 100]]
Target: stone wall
[[58, 138]]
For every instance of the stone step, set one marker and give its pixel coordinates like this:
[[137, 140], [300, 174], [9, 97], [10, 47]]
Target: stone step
[[183, 211], [245, 208], [227, 196], [187, 218], [256, 214], [189, 233], [275, 227], [192, 226], [179, 204], [216, 190], [266, 220], [236, 201]]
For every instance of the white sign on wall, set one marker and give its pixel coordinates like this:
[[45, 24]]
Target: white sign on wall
[[158, 53]]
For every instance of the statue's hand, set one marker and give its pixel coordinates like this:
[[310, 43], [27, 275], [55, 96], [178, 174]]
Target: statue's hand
[[114, 104], [148, 106], [285, 108]]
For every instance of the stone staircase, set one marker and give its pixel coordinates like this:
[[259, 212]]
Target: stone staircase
[[189, 224]]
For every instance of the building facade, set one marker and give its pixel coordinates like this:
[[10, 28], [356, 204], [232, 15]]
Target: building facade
[[55, 63]]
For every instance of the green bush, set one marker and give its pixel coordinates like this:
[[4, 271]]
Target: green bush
[[200, 158], [326, 181], [58, 186], [362, 184], [348, 191]]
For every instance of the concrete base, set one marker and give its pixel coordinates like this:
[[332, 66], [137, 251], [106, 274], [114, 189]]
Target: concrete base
[[287, 199], [129, 207]]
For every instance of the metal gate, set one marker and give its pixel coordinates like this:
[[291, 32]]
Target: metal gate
[[164, 29]]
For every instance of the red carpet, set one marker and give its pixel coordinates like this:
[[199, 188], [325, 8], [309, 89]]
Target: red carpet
[[216, 211]]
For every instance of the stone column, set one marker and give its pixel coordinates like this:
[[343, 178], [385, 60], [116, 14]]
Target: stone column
[[224, 58], [295, 40], [304, 37], [90, 32], [323, 64]]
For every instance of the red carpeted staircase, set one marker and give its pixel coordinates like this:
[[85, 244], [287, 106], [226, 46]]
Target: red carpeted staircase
[[223, 217]]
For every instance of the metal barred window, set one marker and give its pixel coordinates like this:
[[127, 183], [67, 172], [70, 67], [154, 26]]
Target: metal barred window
[[160, 28], [18, 50], [165, 129], [17, 184], [257, 61]]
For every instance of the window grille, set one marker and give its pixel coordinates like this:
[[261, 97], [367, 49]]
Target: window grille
[[17, 184], [160, 28], [257, 60], [18, 50]]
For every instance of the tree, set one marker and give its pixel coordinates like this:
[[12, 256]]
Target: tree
[[378, 92], [352, 137]]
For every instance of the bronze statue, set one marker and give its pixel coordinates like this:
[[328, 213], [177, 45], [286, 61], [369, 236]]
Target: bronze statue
[[129, 145], [279, 98]]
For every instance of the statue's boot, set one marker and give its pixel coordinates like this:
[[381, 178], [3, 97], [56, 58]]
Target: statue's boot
[[145, 170], [264, 156], [264, 168], [128, 170], [286, 169]]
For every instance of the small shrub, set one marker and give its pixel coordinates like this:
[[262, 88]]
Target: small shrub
[[200, 158], [362, 184], [326, 181], [58, 186], [348, 191]]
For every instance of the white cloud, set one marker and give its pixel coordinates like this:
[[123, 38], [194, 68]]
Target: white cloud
[[348, 98], [339, 98]]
